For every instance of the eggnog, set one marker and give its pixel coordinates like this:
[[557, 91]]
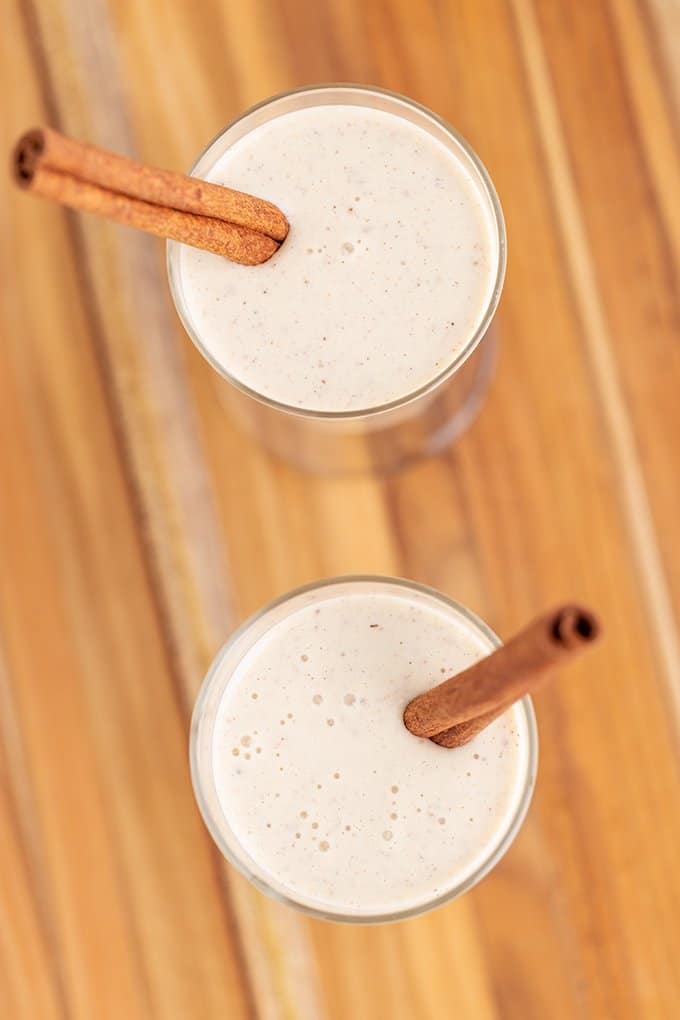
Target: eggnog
[[387, 273], [308, 777]]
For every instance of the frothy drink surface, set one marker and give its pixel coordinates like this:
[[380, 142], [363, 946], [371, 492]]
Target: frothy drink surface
[[337, 804], [384, 277]]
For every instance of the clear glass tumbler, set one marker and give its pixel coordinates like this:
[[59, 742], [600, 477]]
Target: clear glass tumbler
[[384, 438], [203, 728]]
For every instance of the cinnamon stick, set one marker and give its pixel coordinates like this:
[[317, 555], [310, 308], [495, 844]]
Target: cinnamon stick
[[241, 227], [455, 711]]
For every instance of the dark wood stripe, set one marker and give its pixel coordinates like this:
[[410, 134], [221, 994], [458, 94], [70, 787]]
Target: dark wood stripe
[[28, 847], [648, 176], [661, 64]]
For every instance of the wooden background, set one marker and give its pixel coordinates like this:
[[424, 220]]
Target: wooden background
[[137, 527]]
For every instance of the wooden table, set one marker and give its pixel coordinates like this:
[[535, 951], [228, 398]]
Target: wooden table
[[138, 527]]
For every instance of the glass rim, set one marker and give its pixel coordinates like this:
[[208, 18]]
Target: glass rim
[[173, 250], [240, 863]]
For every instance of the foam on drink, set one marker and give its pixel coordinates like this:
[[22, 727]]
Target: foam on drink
[[335, 804], [386, 273]]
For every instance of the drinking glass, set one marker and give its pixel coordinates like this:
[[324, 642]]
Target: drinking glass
[[218, 677], [383, 438]]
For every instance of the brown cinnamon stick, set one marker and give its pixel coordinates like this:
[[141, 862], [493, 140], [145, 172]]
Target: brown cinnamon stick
[[455, 711], [241, 227]]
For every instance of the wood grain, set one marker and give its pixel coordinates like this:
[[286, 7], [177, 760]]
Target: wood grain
[[137, 527]]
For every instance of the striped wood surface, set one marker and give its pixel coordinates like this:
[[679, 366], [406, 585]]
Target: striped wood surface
[[137, 527]]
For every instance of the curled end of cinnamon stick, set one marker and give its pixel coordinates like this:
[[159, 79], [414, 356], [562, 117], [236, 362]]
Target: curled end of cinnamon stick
[[574, 626], [26, 156]]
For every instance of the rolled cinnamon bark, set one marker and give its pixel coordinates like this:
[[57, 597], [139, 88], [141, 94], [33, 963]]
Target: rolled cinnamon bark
[[233, 242], [241, 227], [455, 711]]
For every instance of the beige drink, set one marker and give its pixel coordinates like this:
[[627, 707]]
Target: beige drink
[[386, 273], [310, 781], [358, 345]]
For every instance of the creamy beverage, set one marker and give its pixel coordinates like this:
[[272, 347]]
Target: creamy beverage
[[307, 776], [387, 273]]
